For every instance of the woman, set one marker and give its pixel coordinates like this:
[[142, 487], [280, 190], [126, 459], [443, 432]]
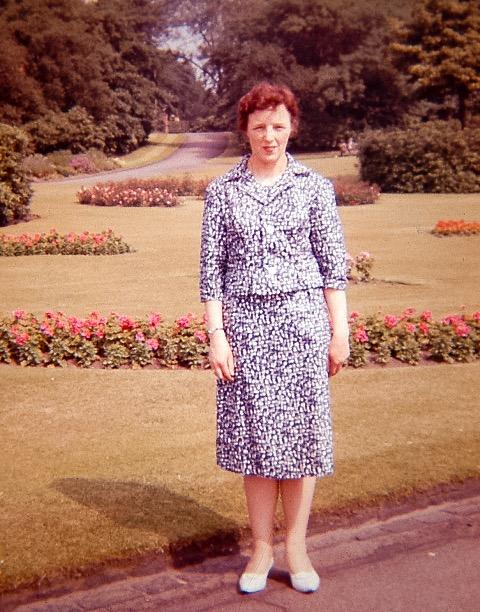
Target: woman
[[273, 280]]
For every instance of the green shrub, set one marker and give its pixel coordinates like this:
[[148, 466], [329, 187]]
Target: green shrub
[[15, 191], [38, 166], [433, 157], [74, 130]]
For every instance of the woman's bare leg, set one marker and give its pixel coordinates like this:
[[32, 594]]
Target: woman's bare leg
[[262, 495], [297, 495]]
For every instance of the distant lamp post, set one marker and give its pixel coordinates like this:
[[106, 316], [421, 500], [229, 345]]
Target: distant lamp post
[[165, 122]]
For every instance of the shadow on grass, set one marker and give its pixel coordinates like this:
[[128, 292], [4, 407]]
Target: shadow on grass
[[194, 532]]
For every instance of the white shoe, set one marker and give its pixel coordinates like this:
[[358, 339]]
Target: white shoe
[[305, 582], [251, 583]]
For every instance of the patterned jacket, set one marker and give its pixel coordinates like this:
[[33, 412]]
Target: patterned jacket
[[264, 240]]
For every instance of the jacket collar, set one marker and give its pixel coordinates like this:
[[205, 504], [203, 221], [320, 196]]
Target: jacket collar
[[241, 175]]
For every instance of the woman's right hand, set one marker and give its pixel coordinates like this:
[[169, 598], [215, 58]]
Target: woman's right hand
[[220, 356]]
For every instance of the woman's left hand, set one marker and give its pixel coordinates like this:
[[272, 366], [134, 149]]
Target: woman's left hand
[[338, 353]]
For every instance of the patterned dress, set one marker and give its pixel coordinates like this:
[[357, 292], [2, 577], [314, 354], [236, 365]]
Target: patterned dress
[[266, 253]]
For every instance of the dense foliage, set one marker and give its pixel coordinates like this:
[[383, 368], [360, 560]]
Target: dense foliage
[[433, 157], [333, 55], [440, 51], [81, 75], [15, 191]]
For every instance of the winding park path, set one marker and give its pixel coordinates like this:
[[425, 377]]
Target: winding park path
[[196, 150]]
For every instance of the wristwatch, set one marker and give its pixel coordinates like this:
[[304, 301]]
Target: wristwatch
[[212, 330]]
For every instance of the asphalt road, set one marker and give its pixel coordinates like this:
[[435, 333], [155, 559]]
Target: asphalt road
[[196, 150]]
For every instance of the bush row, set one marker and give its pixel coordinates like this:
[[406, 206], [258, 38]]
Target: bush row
[[410, 337], [431, 157], [66, 163], [117, 340], [355, 193], [452, 227], [53, 243], [135, 192]]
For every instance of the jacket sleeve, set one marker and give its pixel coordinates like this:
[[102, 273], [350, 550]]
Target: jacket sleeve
[[212, 248], [327, 237]]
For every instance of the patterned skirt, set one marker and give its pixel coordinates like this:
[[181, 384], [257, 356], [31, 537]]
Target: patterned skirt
[[274, 419]]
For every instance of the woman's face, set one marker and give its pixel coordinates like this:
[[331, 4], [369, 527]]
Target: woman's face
[[268, 132]]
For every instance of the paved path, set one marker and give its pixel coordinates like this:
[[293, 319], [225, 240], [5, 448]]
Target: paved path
[[426, 560], [196, 150]]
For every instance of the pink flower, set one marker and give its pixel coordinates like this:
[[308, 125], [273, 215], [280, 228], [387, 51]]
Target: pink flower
[[19, 314], [354, 315], [75, 324], [99, 333], [126, 323], [423, 327], [462, 330], [426, 315], [200, 335], [390, 320], [139, 337], [152, 343], [154, 319], [46, 329], [451, 320], [361, 335], [410, 327], [476, 315], [20, 339], [408, 312], [184, 321]]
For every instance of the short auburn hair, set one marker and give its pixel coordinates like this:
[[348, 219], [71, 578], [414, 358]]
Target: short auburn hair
[[264, 96]]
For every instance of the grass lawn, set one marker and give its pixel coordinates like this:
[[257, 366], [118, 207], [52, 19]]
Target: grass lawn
[[102, 464]]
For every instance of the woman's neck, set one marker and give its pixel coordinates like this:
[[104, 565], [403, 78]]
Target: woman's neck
[[267, 172]]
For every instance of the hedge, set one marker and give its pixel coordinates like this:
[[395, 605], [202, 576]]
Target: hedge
[[433, 157]]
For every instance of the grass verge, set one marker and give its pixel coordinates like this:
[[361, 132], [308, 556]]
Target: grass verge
[[159, 147], [101, 465]]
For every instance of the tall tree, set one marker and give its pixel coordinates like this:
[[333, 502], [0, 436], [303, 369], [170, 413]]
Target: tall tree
[[103, 57], [440, 51], [331, 54]]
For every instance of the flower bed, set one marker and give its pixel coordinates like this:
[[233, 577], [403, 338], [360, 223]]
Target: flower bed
[[140, 193], [53, 243], [355, 193], [165, 192], [452, 227], [410, 337], [116, 340]]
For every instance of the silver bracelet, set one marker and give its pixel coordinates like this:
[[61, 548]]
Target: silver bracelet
[[212, 330]]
